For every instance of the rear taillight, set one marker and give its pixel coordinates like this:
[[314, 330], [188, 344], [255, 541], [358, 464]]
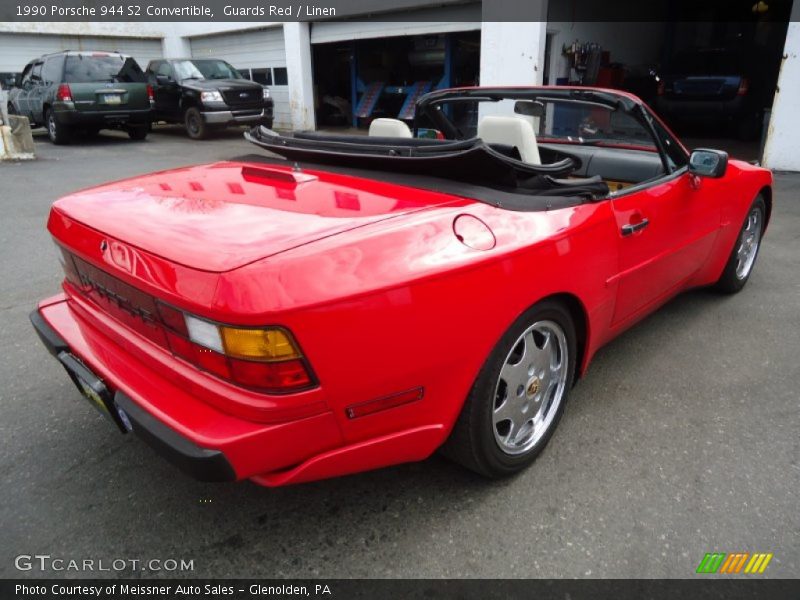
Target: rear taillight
[[661, 88], [744, 87], [150, 95], [64, 94], [266, 358]]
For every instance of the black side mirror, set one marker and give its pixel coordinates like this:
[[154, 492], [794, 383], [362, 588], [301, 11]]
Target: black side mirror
[[705, 162]]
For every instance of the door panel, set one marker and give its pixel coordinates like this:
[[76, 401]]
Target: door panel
[[665, 234]]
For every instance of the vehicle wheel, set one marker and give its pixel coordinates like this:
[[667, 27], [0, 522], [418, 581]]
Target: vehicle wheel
[[195, 125], [519, 395], [57, 132], [743, 256], [138, 132]]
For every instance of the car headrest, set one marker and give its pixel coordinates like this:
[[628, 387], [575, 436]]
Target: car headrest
[[393, 128], [512, 131]]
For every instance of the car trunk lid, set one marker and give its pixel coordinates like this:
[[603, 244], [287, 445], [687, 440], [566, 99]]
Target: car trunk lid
[[223, 216]]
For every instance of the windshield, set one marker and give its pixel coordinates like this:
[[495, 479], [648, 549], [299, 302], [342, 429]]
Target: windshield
[[94, 68], [205, 69], [711, 61], [558, 121]]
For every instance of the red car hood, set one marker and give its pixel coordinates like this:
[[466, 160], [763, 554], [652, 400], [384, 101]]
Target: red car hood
[[222, 216]]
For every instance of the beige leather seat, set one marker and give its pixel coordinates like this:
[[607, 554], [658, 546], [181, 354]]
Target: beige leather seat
[[389, 128], [511, 131]]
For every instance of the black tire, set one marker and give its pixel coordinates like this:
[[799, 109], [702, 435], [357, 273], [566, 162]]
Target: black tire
[[138, 132], [57, 132], [473, 441], [194, 124], [734, 278]]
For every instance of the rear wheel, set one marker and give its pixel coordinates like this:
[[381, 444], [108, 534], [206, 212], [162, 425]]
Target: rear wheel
[[745, 251], [56, 131], [195, 124], [519, 396], [138, 132]]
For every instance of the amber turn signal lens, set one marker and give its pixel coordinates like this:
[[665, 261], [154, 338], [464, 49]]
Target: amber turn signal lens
[[258, 344]]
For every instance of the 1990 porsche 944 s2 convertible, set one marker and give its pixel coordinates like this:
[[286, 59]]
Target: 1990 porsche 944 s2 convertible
[[375, 298]]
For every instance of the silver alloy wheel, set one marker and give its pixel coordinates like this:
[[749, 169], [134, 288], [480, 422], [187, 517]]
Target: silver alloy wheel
[[748, 244], [530, 388]]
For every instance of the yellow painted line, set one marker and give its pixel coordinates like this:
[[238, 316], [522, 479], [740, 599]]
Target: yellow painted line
[[755, 563], [767, 558]]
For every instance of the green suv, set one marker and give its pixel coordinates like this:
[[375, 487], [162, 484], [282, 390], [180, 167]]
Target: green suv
[[87, 91]]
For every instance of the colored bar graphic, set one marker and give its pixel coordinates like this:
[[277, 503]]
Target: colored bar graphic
[[711, 562], [720, 562]]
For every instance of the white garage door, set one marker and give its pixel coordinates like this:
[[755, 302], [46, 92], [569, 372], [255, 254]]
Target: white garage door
[[261, 49], [17, 50], [419, 22]]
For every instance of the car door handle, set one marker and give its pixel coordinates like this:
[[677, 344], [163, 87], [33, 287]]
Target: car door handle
[[631, 228]]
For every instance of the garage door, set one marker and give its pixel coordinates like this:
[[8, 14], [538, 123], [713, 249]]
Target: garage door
[[248, 51], [418, 22], [16, 50]]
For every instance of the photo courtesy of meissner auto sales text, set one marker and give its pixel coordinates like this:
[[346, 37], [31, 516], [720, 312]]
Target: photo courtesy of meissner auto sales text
[[464, 299]]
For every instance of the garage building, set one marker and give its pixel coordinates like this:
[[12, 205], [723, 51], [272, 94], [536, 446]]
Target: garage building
[[346, 71]]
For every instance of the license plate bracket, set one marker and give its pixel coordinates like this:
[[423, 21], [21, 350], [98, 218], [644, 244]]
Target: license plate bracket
[[111, 98], [92, 388]]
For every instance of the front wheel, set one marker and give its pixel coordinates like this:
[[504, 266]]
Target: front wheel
[[743, 256], [195, 124], [519, 395], [57, 132]]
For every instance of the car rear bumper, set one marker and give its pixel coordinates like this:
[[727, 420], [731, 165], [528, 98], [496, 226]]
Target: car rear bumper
[[228, 117], [201, 440], [106, 118]]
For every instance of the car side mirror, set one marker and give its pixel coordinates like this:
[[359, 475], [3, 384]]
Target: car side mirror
[[18, 80], [705, 162]]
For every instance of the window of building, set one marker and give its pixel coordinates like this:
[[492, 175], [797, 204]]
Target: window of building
[[280, 76]]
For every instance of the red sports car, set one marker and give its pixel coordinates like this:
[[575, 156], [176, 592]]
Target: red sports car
[[375, 298]]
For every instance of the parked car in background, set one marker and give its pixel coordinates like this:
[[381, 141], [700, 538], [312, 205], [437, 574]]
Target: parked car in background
[[715, 85], [88, 91], [206, 93]]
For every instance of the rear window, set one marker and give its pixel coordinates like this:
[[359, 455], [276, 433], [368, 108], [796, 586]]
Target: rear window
[[106, 68]]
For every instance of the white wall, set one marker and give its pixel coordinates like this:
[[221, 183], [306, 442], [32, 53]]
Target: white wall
[[782, 149], [512, 53]]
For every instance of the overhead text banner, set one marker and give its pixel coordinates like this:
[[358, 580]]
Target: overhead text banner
[[277, 11]]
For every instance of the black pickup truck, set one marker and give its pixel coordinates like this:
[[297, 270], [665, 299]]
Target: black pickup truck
[[206, 93]]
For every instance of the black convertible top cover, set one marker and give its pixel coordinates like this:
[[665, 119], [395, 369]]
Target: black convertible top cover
[[467, 168]]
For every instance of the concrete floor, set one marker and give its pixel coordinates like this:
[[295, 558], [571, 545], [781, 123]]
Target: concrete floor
[[682, 439]]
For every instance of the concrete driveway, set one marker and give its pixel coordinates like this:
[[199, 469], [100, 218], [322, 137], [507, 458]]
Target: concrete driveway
[[683, 439]]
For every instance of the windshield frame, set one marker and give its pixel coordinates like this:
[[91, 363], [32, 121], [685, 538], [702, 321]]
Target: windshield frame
[[430, 105]]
